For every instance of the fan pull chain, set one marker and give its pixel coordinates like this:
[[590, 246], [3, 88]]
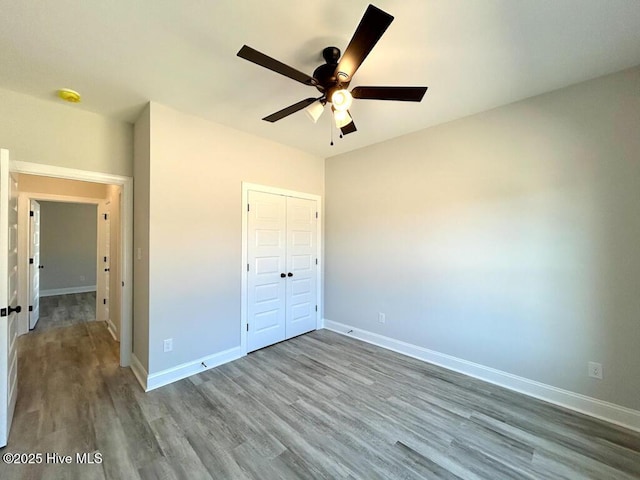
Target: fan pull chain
[[331, 129]]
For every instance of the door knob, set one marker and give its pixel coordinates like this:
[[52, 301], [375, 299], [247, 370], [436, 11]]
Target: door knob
[[40, 266], [18, 309], [282, 275], [289, 274], [106, 269]]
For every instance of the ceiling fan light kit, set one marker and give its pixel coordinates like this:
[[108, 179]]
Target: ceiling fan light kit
[[314, 111], [342, 118], [341, 100], [332, 78]]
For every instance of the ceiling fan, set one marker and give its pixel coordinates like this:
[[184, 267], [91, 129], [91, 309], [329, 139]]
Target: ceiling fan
[[333, 77]]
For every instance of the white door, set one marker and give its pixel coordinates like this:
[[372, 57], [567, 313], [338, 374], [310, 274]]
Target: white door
[[266, 265], [8, 296], [34, 264], [301, 298], [106, 264], [282, 268]]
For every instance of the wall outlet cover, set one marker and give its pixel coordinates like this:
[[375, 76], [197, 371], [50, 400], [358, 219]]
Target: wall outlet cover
[[595, 370]]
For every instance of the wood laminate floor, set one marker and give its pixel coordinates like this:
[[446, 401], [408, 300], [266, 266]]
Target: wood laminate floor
[[66, 310], [317, 406]]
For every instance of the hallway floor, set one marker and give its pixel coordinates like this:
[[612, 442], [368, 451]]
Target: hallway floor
[[66, 310]]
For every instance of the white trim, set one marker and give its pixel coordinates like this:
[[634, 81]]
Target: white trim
[[173, 374], [67, 290], [112, 329], [139, 371], [50, 197], [126, 229], [68, 173], [610, 412], [246, 186]]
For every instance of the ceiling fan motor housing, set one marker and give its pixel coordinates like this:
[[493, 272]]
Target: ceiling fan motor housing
[[326, 74]]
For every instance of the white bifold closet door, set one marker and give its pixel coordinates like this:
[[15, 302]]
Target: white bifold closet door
[[282, 263]]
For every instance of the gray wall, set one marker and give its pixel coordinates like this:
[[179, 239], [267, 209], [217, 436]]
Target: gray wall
[[68, 243], [64, 135], [141, 168], [510, 238], [194, 176]]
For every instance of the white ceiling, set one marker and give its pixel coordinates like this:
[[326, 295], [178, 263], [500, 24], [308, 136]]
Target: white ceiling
[[473, 54]]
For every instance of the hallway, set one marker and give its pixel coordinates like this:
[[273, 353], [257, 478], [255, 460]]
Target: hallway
[[66, 310]]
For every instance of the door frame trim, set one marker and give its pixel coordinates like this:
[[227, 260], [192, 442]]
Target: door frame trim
[[126, 229], [246, 187]]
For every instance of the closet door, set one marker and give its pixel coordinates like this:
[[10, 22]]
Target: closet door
[[266, 263], [302, 252]]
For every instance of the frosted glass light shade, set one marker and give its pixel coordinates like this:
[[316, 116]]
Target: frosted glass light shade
[[342, 118], [314, 110], [341, 100]]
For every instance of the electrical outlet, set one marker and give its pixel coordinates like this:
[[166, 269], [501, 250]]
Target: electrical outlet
[[595, 370], [168, 345], [382, 318]]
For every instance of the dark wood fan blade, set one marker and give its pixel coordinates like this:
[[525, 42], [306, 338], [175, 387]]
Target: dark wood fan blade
[[402, 94], [371, 27], [349, 128], [274, 65], [285, 112]]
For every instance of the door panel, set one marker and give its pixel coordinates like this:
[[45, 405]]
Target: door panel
[[8, 296], [266, 259], [282, 253], [302, 252], [106, 270], [34, 268]]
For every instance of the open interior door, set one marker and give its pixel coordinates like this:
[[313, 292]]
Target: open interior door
[[34, 264], [8, 296]]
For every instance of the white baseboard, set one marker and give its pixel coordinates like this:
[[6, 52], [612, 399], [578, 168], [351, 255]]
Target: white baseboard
[[170, 375], [67, 290], [112, 330], [610, 412], [139, 371]]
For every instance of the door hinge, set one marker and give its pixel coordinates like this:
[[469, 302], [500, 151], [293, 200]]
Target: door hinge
[[316, 214], [316, 308], [31, 213], [31, 261], [104, 215], [3, 312], [247, 267], [248, 207], [104, 301], [316, 261], [31, 308], [247, 327], [123, 284]]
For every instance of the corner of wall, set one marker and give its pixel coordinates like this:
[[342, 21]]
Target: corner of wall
[[141, 173]]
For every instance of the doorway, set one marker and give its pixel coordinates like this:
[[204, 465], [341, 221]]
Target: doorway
[[121, 189], [63, 262]]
